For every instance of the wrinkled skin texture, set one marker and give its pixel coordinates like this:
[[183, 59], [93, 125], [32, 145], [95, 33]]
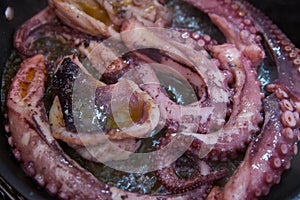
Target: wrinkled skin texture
[[269, 146], [29, 126], [238, 128], [88, 134]]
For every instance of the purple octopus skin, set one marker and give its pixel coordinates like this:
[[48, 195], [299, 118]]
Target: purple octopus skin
[[267, 156], [29, 128], [270, 154], [71, 69], [23, 37], [47, 24], [173, 114], [245, 116], [41, 155], [284, 52], [236, 24], [44, 24], [172, 182], [202, 171]]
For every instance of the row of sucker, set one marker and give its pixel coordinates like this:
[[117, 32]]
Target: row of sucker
[[279, 39], [238, 15], [287, 147]]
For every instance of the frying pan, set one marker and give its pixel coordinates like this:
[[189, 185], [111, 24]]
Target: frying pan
[[13, 182]]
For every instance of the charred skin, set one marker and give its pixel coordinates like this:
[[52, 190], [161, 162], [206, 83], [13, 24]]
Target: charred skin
[[36, 149], [41, 156], [244, 27], [70, 73]]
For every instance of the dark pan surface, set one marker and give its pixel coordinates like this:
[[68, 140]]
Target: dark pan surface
[[284, 13]]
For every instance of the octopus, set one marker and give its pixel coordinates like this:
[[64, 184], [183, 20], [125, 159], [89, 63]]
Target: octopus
[[110, 96]]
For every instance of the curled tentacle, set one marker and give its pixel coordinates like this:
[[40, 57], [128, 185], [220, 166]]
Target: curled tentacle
[[88, 17], [29, 127], [46, 24], [169, 176], [245, 116], [284, 53], [227, 96], [136, 36], [187, 172], [177, 117], [267, 156], [23, 37], [236, 24], [79, 127]]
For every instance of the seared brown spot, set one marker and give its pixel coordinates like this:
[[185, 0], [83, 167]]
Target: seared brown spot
[[241, 13]]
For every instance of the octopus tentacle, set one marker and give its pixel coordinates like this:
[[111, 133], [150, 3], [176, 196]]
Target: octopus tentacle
[[136, 36], [245, 116], [232, 66], [69, 72], [46, 24], [238, 26], [267, 156], [284, 53], [23, 38], [177, 117], [202, 175], [201, 41], [29, 126], [187, 172], [270, 153], [175, 69]]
